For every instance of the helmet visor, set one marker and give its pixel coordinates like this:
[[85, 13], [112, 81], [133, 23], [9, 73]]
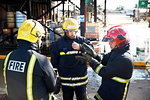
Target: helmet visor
[[106, 39], [71, 30]]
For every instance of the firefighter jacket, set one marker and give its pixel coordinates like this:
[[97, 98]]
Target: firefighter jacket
[[28, 75], [116, 71], [72, 72]]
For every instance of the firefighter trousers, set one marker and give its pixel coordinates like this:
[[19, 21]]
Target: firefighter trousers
[[80, 91]]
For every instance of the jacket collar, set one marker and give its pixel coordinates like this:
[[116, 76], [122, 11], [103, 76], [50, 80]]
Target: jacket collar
[[124, 48], [27, 45]]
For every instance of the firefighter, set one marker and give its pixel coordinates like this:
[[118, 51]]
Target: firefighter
[[72, 73], [115, 68], [29, 75]]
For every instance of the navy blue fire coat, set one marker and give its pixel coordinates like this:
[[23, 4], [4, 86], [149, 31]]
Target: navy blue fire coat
[[116, 71], [28, 75], [72, 72]]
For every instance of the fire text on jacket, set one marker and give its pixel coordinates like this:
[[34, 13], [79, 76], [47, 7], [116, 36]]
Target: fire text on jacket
[[16, 66]]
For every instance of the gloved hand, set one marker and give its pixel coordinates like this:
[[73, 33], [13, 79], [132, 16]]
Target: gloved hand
[[89, 50], [58, 86], [84, 57]]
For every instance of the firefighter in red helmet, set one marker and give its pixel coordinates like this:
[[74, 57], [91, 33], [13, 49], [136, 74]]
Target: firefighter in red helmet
[[115, 67], [118, 34]]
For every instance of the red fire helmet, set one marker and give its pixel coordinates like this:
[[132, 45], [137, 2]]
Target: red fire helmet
[[118, 34]]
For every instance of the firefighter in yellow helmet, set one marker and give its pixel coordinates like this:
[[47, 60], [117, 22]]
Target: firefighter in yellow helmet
[[29, 75], [72, 73]]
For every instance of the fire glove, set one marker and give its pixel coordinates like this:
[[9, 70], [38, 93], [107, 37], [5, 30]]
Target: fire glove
[[89, 50], [58, 86], [84, 57]]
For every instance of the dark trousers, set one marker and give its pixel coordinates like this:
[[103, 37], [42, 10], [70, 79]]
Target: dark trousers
[[80, 91]]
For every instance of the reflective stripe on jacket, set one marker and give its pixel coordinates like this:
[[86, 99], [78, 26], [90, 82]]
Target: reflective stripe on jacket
[[118, 79], [70, 52], [75, 81]]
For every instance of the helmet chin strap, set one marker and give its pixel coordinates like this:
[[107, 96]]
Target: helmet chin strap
[[38, 46]]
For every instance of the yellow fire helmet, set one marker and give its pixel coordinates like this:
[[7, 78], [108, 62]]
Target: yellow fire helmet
[[70, 24], [30, 30]]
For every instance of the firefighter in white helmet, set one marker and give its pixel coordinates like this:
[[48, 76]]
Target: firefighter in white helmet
[[29, 75], [73, 73]]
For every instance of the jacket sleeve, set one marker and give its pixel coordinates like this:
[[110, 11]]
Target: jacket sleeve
[[55, 56], [116, 68], [49, 76], [105, 58], [98, 58]]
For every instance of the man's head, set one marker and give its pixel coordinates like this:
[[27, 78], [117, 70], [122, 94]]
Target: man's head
[[116, 36], [31, 31], [70, 27]]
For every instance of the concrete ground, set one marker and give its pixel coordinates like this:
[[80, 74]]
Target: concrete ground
[[139, 90]]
